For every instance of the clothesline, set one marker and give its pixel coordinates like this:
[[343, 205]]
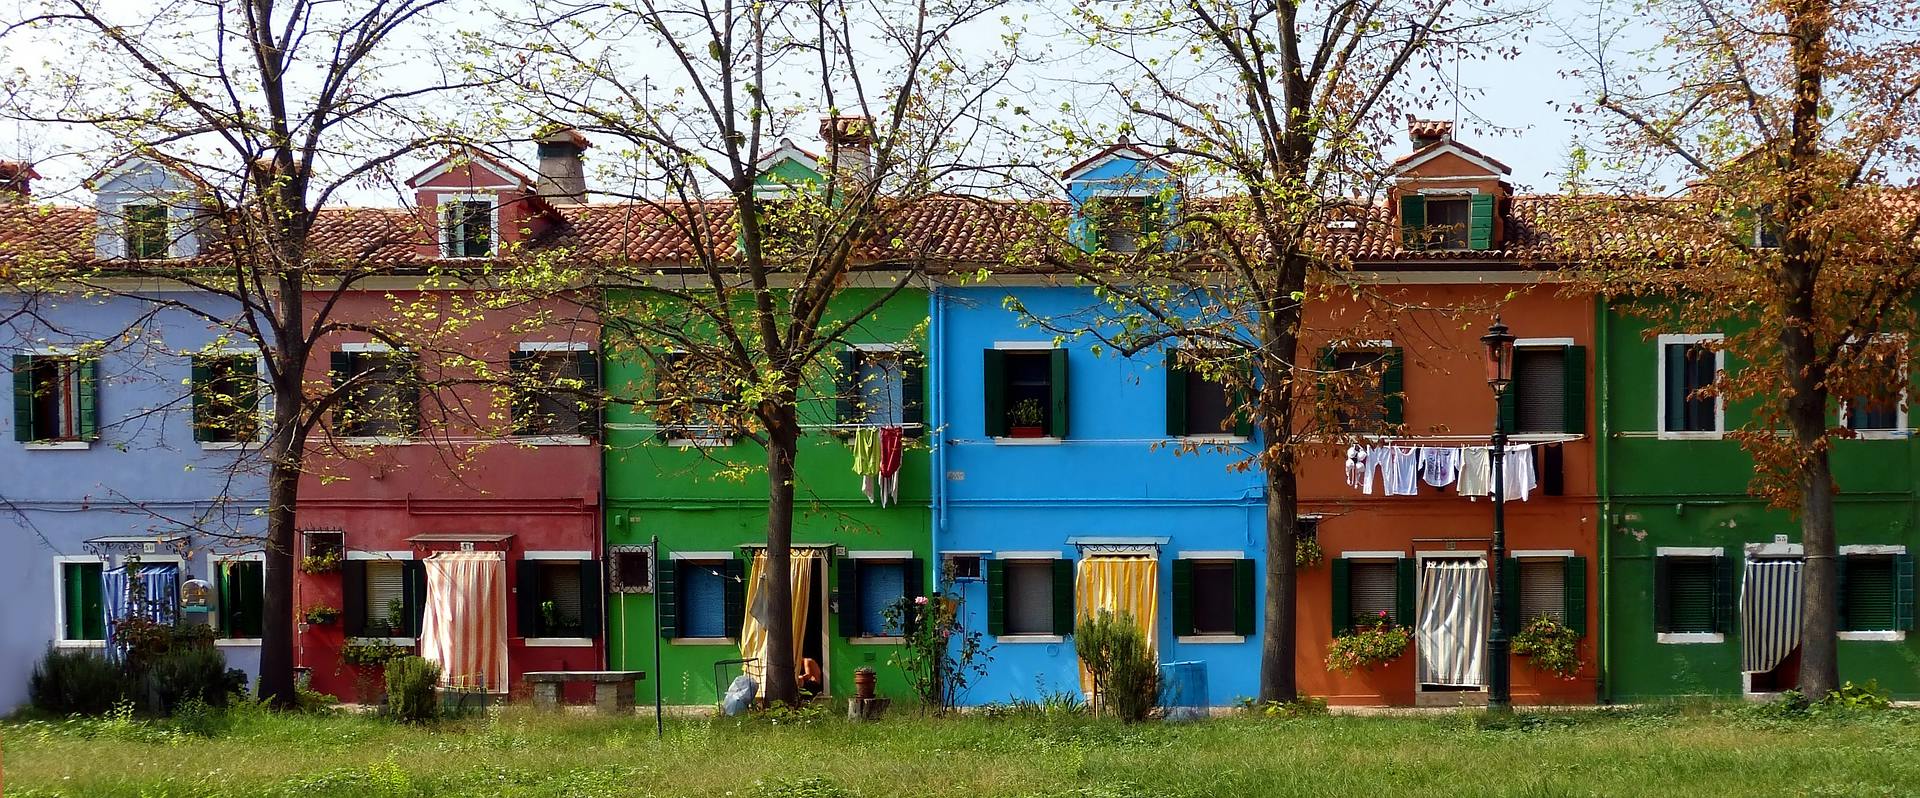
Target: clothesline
[[1399, 470], [1512, 438], [698, 428]]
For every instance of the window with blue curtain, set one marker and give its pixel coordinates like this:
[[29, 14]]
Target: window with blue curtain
[[882, 392], [703, 599], [882, 584], [1690, 367]]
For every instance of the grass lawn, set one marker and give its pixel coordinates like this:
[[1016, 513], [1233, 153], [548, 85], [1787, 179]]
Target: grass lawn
[[1667, 751]]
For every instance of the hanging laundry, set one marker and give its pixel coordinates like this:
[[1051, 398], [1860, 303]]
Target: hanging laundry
[[1439, 466], [1402, 471], [866, 459], [1376, 462], [889, 477], [1476, 477], [1517, 478], [1356, 467]]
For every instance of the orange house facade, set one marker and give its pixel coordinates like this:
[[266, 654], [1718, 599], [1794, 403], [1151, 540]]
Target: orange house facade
[[1399, 509]]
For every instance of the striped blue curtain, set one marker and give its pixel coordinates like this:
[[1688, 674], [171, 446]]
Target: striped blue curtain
[[158, 588], [114, 599], [1769, 613]]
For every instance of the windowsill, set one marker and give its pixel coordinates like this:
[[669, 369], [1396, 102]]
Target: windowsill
[[1210, 639], [553, 440], [1690, 436], [559, 642], [875, 640], [236, 642], [57, 446], [1885, 637], [1689, 638], [403, 642], [1031, 639], [700, 443], [80, 644], [704, 641], [229, 446], [1212, 439], [1882, 434], [376, 440], [1044, 440]]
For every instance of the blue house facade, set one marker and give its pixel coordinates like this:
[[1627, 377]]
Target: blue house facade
[[129, 445]]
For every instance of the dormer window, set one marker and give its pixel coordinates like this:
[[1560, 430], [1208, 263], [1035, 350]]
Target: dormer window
[[1447, 222], [467, 228], [1119, 224], [145, 233]]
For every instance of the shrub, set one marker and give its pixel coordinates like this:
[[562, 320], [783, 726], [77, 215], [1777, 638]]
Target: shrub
[[190, 673], [1126, 676], [1372, 642], [940, 657], [75, 682], [1859, 696], [413, 689], [1549, 645]]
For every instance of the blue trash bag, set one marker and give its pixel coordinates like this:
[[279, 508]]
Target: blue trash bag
[[740, 695]]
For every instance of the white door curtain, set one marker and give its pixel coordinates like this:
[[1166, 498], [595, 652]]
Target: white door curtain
[[1769, 613], [465, 625], [1452, 634]]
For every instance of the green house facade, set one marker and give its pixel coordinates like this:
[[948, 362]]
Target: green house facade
[[1682, 536]]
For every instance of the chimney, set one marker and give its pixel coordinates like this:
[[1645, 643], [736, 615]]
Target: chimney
[[563, 178], [1428, 131], [16, 181], [849, 144]]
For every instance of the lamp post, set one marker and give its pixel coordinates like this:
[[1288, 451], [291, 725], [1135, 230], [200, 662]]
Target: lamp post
[[1499, 344]]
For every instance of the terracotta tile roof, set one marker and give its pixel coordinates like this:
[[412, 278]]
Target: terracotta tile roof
[[45, 232], [1428, 128]]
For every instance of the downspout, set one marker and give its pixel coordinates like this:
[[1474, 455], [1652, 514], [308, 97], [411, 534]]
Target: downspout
[[937, 413], [1601, 446]]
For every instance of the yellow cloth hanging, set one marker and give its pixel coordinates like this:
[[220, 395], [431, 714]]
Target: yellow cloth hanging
[[753, 631], [1118, 584]]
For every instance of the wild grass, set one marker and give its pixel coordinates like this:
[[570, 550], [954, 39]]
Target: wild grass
[[1698, 750]]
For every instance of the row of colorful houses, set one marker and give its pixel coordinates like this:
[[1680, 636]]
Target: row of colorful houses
[[1033, 468]]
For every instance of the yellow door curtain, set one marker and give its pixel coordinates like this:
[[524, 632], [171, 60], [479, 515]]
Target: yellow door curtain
[[753, 628], [1118, 584]]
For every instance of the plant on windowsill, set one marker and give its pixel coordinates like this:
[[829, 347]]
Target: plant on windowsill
[[321, 614], [1026, 419], [325, 562], [1373, 641], [1549, 645], [369, 653], [1307, 552]]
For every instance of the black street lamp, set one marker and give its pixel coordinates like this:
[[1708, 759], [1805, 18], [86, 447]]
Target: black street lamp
[[1499, 345]]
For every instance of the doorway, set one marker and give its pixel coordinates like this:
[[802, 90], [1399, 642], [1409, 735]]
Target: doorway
[[1450, 629]]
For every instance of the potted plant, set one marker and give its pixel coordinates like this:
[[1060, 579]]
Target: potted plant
[[321, 614], [1307, 552], [322, 562], [1549, 645], [1026, 419], [1373, 641]]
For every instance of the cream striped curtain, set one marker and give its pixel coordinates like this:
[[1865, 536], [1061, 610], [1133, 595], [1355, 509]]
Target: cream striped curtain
[[1451, 638], [1769, 614], [465, 629], [1118, 584], [753, 628]]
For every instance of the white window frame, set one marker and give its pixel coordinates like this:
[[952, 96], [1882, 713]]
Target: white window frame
[[1879, 635], [440, 220], [1688, 638], [1901, 428], [213, 570], [1031, 346], [60, 601], [263, 407], [1660, 390], [60, 446], [375, 347]]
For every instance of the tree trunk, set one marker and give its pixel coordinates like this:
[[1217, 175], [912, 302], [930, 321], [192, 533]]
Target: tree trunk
[[284, 456], [1277, 646], [782, 445]]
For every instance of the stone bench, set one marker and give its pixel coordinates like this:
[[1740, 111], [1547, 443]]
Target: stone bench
[[612, 690]]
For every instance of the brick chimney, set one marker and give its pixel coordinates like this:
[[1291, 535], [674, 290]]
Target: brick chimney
[[849, 144], [16, 181], [1424, 132], [563, 177]]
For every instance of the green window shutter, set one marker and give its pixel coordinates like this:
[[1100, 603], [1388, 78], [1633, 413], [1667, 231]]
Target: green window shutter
[[523, 405], [416, 575], [665, 574], [1244, 593], [1176, 395], [1868, 593], [587, 368], [1063, 597], [1403, 593], [915, 573], [224, 599], [1413, 221], [846, 386], [340, 368], [93, 602], [1342, 598], [995, 383], [913, 392], [1662, 598], [735, 571], [89, 398], [1480, 222], [72, 580], [1182, 598], [1243, 410], [591, 596], [410, 407], [1508, 407], [1575, 363], [23, 398], [200, 389], [1843, 564], [1090, 225], [1510, 595], [526, 588], [850, 614], [1574, 581], [1903, 592], [1393, 387], [1724, 592], [996, 597], [1059, 385], [353, 596]]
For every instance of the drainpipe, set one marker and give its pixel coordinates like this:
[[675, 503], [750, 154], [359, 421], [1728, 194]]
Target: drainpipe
[[1602, 436], [937, 413]]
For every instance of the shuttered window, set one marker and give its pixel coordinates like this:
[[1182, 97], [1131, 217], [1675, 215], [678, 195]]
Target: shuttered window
[[386, 598], [1542, 589], [1213, 598], [55, 398], [703, 599], [1030, 597], [1686, 368], [560, 599], [1689, 595], [241, 585], [1868, 600], [1539, 376], [1372, 405], [383, 400], [82, 605], [146, 234], [1026, 393], [1373, 590], [882, 585], [553, 391]]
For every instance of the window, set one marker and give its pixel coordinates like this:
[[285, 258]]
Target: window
[[1213, 597], [1122, 224], [1197, 405], [1693, 595], [383, 598], [1533, 587], [1447, 222], [1548, 393], [1372, 590], [226, 398], [870, 587], [325, 545], [240, 592], [1876, 592], [466, 229], [55, 398], [1688, 363], [1026, 393], [1030, 597], [553, 391], [702, 598], [962, 566], [1367, 405], [146, 233], [83, 612], [558, 598], [632, 570], [881, 387], [698, 402], [384, 398], [1879, 411]]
